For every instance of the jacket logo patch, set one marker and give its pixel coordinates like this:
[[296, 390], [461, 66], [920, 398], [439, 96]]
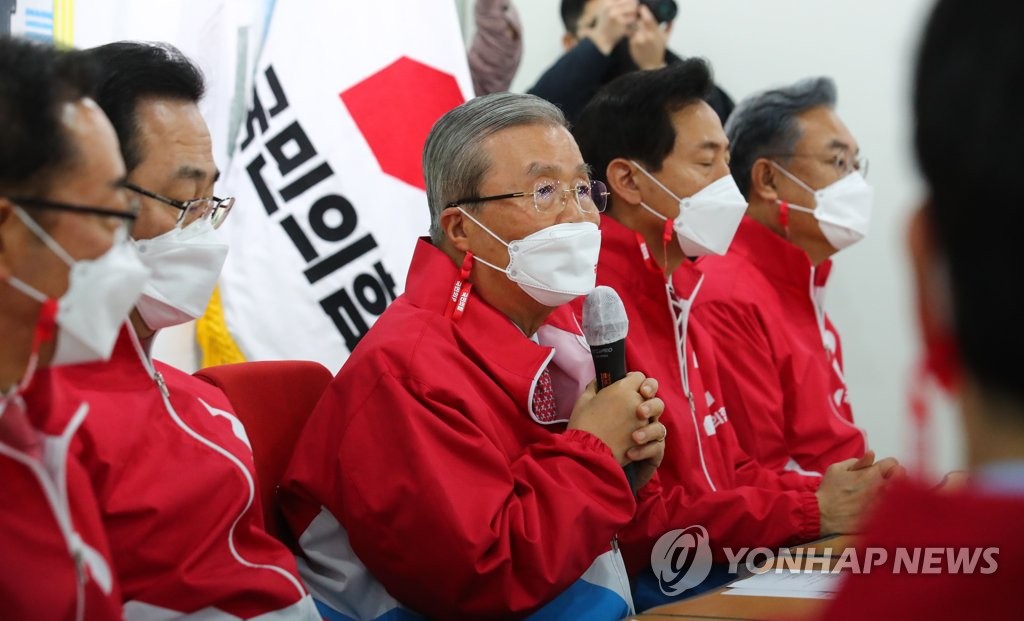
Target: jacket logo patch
[[714, 420]]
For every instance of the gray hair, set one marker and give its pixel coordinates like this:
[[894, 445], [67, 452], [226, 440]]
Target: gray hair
[[454, 160], [766, 123]]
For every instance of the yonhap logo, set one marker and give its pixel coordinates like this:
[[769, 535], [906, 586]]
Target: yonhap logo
[[681, 559]]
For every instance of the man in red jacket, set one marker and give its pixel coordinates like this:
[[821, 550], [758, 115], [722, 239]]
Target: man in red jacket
[[456, 467], [664, 155], [63, 222], [171, 464], [967, 263], [797, 165]]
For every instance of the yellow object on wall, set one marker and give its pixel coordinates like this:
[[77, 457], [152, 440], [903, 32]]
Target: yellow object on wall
[[215, 341], [64, 23]]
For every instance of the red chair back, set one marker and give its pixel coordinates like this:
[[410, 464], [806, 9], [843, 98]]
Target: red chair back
[[273, 399]]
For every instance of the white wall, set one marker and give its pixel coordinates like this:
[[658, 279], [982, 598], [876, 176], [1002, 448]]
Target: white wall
[[867, 46]]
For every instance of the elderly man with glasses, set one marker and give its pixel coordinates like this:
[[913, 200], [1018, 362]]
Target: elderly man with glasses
[[171, 464], [459, 466], [800, 170]]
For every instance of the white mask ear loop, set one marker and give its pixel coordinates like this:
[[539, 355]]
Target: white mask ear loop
[[656, 182], [489, 232], [785, 206], [654, 213], [27, 289], [33, 360], [43, 236], [669, 231], [793, 178], [660, 185], [35, 294]]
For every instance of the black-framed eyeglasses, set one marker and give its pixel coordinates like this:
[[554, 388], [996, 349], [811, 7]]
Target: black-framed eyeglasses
[[589, 196], [843, 164], [192, 210], [128, 216]]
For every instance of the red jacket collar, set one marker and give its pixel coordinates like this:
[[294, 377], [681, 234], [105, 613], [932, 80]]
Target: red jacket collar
[[622, 254], [124, 362], [778, 259], [429, 286], [686, 280]]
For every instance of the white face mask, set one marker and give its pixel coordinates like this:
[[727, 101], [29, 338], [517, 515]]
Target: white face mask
[[708, 220], [184, 264], [555, 265], [843, 208], [100, 294]]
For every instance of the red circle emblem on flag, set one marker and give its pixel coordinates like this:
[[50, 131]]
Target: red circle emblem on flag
[[395, 109]]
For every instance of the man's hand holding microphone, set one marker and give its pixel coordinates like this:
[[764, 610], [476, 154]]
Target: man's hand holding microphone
[[622, 409]]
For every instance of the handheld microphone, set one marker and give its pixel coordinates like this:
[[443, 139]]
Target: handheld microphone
[[605, 325]]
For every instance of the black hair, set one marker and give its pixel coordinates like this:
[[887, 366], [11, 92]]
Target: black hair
[[131, 71], [968, 133], [631, 116], [35, 81], [572, 10]]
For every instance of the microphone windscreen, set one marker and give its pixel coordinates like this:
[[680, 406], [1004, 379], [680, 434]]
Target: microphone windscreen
[[604, 317]]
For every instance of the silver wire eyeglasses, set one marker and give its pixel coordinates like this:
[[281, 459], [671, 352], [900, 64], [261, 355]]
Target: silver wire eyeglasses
[[589, 196], [192, 210], [843, 164]]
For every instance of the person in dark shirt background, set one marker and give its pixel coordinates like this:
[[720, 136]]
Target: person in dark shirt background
[[605, 39]]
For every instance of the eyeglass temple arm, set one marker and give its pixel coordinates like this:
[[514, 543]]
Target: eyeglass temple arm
[[484, 199], [154, 195]]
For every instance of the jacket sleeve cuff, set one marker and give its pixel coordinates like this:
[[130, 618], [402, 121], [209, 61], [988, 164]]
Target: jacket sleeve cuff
[[810, 513], [596, 446], [588, 441], [650, 490]]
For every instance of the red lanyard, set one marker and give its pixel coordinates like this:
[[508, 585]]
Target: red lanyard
[[460, 291], [649, 260], [45, 330]]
